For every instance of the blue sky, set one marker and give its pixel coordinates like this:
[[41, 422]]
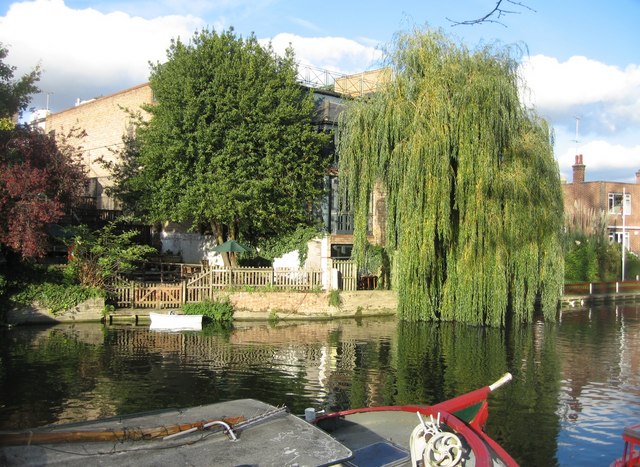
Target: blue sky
[[582, 57]]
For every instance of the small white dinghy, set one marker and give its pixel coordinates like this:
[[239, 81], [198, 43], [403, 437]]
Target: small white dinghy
[[173, 322]]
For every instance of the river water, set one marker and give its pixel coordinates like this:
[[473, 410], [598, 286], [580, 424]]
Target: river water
[[576, 382]]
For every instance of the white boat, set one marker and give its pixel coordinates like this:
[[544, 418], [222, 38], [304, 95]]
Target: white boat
[[172, 322]]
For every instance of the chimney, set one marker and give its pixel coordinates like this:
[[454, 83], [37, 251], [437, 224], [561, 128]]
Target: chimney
[[638, 177], [578, 170]]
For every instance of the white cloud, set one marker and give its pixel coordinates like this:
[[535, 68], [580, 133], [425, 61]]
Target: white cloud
[[331, 53], [86, 52], [607, 98]]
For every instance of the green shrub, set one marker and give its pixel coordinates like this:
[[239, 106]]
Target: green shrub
[[273, 317], [107, 310], [3, 284], [219, 310], [335, 299], [581, 261], [97, 257], [56, 298], [632, 266]]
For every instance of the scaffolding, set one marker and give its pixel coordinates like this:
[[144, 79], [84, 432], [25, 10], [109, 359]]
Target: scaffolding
[[350, 85]]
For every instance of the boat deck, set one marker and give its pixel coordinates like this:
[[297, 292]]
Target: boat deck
[[383, 438], [376, 439], [277, 439]]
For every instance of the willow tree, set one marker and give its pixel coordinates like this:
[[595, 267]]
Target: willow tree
[[473, 195]]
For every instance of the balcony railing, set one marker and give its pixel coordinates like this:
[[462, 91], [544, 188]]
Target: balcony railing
[[342, 223], [87, 212]]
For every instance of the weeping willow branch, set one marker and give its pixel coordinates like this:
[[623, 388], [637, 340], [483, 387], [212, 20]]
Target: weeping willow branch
[[474, 202]]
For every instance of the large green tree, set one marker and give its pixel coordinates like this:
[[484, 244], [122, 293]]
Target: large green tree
[[474, 201], [230, 145]]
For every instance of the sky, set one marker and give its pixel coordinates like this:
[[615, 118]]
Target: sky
[[580, 59]]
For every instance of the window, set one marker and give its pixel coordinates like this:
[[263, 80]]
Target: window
[[341, 251], [615, 203], [617, 237]]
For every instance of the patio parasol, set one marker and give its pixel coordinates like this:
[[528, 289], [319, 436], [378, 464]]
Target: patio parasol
[[231, 246]]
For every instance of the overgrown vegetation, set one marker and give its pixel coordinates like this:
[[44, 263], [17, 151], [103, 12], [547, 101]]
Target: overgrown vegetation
[[589, 254], [378, 263], [99, 256], [95, 258], [273, 317], [594, 259], [218, 310], [3, 285], [57, 298], [297, 240], [47, 286]]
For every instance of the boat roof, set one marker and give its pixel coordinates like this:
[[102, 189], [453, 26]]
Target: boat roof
[[267, 436]]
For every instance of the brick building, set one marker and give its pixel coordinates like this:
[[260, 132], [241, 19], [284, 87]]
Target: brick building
[[105, 121], [584, 200]]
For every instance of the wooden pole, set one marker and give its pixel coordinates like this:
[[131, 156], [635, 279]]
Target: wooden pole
[[78, 436]]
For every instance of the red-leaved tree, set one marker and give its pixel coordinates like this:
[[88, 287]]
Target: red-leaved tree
[[39, 181]]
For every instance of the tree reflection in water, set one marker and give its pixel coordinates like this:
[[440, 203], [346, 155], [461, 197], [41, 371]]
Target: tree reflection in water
[[551, 414]]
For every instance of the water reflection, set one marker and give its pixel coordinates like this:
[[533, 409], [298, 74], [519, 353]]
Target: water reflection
[[600, 385], [575, 383]]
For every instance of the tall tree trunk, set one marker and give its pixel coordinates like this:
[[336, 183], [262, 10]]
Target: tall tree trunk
[[220, 232], [233, 235]]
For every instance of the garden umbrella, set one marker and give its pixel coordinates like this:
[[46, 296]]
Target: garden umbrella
[[231, 246]]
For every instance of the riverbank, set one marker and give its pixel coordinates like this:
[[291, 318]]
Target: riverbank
[[248, 306], [251, 306]]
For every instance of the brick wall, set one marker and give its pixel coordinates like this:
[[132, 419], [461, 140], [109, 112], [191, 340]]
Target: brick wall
[[104, 120]]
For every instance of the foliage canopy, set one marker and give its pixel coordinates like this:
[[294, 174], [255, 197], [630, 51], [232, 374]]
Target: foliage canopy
[[15, 94], [39, 179], [474, 203], [230, 147]]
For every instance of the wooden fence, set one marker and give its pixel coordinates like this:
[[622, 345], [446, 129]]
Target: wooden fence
[[602, 288], [203, 285], [348, 273]]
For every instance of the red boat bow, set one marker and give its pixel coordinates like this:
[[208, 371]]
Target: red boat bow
[[465, 414]]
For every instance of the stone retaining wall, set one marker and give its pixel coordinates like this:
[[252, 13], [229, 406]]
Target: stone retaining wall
[[292, 305], [89, 310]]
